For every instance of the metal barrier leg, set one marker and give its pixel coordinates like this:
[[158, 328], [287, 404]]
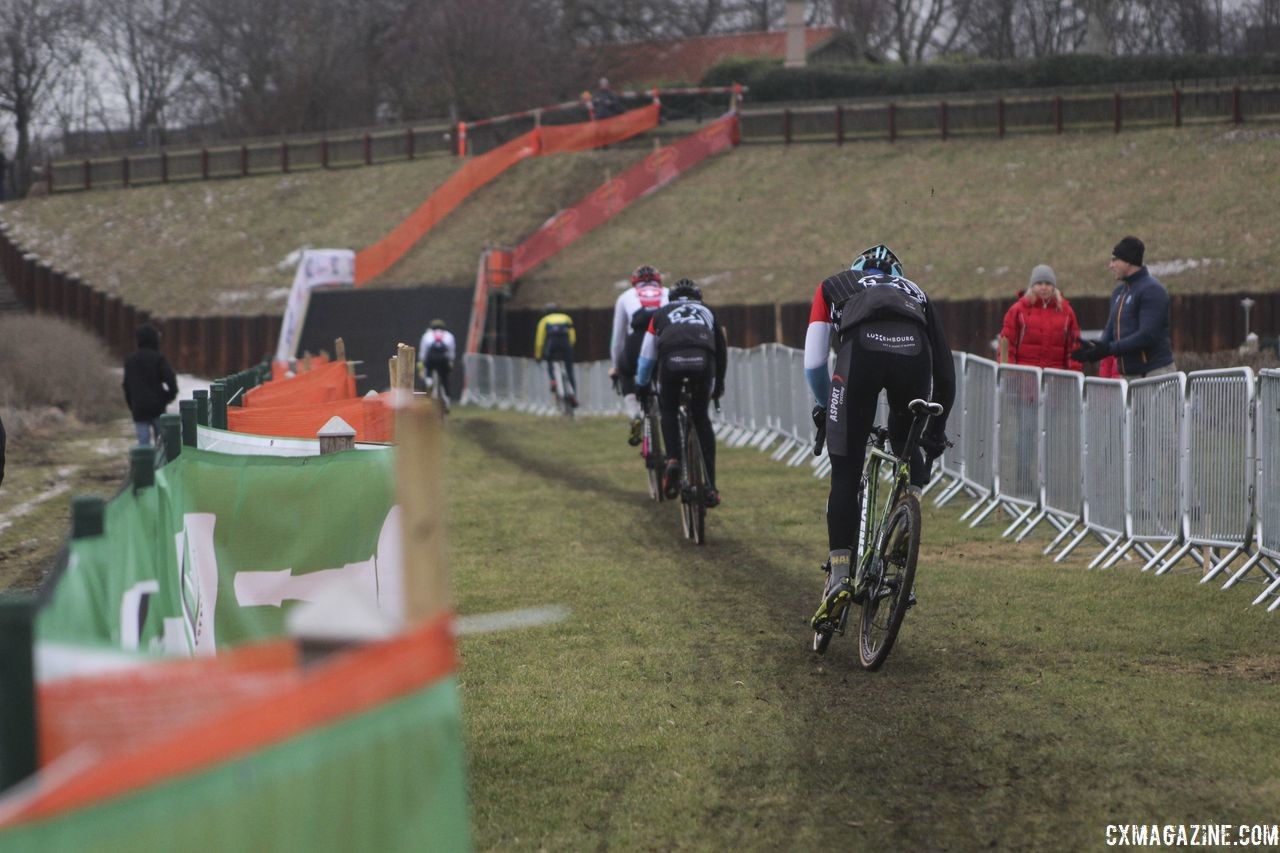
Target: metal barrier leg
[[1121, 552], [1032, 525], [1155, 558], [1221, 565], [1063, 533], [949, 492], [1071, 546], [1271, 588], [990, 508], [1244, 570], [1106, 550], [978, 504], [1173, 561], [1017, 522]]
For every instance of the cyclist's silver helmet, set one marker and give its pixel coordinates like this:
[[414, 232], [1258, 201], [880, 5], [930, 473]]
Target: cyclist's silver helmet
[[878, 257], [686, 289]]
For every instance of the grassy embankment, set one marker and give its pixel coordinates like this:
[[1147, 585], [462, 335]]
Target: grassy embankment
[[970, 217], [1027, 705]]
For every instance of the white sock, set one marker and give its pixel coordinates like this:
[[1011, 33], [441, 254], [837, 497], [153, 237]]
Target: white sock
[[632, 405]]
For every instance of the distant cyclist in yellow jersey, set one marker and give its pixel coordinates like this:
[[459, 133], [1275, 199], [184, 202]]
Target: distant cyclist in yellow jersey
[[554, 342]]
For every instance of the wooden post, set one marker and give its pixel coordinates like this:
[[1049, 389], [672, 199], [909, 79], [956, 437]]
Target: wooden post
[[1177, 108], [284, 157], [335, 436], [171, 433], [87, 515], [187, 413], [408, 142], [204, 164], [201, 398], [419, 474], [368, 150], [164, 167], [1057, 114], [142, 466], [407, 357], [839, 124], [244, 161], [942, 119], [893, 121], [324, 153], [1237, 112], [18, 686], [218, 405], [786, 127], [1000, 118], [1116, 109], [393, 372]]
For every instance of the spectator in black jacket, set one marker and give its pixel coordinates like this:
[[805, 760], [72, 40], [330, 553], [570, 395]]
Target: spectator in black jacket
[[149, 384]]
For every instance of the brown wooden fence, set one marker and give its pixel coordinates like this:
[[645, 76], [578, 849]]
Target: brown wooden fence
[[1200, 322], [204, 346]]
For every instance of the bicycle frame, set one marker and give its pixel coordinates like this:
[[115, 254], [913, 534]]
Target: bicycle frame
[[871, 523]]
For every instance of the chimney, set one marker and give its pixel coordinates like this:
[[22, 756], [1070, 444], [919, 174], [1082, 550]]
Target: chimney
[[795, 34]]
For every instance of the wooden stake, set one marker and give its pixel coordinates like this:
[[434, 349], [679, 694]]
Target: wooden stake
[[419, 472], [393, 367], [407, 356]]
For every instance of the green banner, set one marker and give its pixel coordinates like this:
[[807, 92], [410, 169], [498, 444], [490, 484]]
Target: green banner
[[223, 546], [390, 779]]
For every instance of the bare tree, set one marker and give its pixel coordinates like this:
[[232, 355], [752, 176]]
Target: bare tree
[[924, 28], [142, 42]]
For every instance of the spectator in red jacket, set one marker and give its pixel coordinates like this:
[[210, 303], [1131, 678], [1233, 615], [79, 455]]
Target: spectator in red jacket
[[1040, 329]]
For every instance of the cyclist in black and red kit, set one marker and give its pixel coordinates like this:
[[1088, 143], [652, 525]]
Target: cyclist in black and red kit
[[685, 343], [887, 336]]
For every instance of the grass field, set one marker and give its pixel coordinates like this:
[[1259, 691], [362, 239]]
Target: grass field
[[761, 224], [1026, 706]]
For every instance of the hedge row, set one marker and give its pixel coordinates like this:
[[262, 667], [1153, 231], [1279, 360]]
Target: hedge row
[[769, 81]]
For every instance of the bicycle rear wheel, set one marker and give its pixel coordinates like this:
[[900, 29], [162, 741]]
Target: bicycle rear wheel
[[693, 493], [888, 589], [651, 447]]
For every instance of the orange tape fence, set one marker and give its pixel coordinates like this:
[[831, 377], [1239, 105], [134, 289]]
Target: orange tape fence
[[329, 381], [376, 259], [370, 416]]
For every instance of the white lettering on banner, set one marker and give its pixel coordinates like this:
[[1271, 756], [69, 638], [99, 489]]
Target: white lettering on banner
[[316, 268], [197, 582], [381, 576], [131, 611]]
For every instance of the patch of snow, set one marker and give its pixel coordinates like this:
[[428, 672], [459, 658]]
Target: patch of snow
[[1180, 265]]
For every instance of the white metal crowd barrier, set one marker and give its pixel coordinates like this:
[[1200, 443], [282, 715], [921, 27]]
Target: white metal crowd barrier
[[1165, 469]]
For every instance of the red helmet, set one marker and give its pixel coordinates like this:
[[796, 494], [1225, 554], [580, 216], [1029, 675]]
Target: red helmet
[[646, 273]]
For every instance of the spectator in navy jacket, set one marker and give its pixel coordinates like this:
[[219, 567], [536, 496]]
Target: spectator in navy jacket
[[149, 384], [1137, 331]]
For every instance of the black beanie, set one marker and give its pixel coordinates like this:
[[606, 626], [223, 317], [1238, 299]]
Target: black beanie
[[1130, 251]]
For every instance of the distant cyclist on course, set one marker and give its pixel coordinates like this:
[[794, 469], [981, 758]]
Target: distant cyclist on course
[[554, 341], [436, 352], [887, 336], [631, 314], [684, 341]]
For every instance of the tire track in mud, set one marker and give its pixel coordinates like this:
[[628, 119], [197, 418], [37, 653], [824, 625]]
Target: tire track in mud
[[816, 691]]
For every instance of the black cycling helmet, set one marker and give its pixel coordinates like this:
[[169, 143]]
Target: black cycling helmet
[[646, 273], [437, 323], [550, 308], [686, 289], [878, 257]]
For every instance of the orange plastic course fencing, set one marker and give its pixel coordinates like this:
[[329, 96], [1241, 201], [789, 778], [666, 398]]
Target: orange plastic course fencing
[[280, 369], [287, 703], [376, 259], [331, 381], [371, 417]]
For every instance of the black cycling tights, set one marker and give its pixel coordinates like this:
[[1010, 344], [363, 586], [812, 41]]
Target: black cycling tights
[[561, 351], [699, 400]]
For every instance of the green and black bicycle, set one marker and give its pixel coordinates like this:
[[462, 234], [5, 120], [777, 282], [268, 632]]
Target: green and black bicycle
[[888, 545]]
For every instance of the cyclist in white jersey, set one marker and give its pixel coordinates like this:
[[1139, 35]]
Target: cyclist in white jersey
[[631, 314], [436, 352]]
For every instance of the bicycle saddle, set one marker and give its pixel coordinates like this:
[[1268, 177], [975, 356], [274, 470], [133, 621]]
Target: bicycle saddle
[[919, 407]]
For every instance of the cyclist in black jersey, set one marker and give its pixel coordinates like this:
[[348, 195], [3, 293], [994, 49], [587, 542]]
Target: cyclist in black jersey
[[887, 337], [684, 341]]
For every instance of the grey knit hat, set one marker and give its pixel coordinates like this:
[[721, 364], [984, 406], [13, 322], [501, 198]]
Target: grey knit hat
[[1042, 272]]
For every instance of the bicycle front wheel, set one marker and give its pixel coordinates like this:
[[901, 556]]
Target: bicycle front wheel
[[888, 589]]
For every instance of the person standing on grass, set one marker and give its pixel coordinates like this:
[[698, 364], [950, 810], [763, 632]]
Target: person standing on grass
[[1137, 331], [1040, 328], [149, 384]]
